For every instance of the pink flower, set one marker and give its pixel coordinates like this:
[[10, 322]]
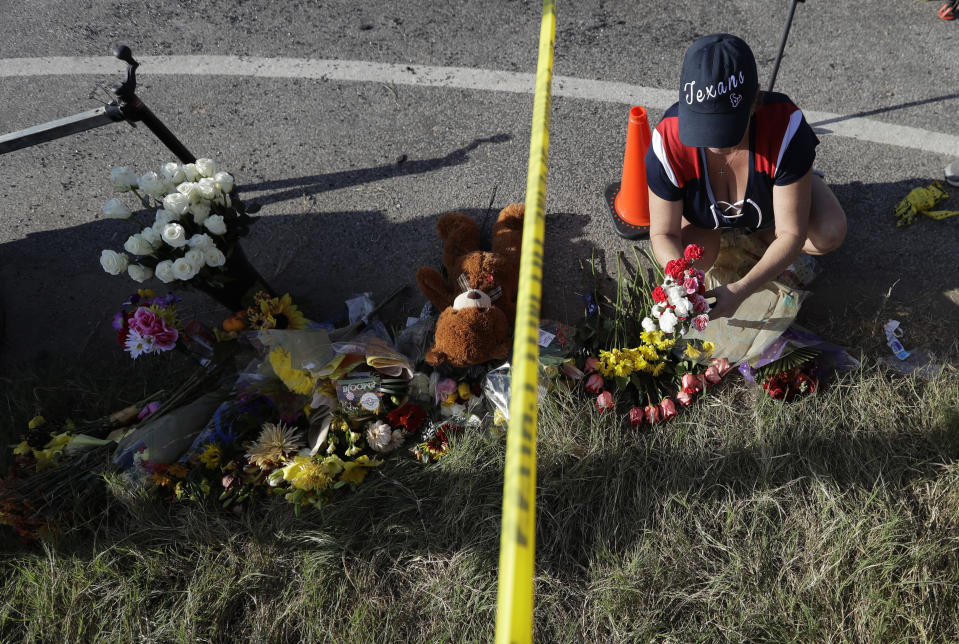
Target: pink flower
[[444, 388], [700, 305], [691, 284], [590, 365], [700, 322], [667, 408], [148, 410], [594, 383], [604, 402], [637, 416], [684, 399], [146, 322], [652, 414], [712, 374], [690, 383], [722, 365], [165, 339]]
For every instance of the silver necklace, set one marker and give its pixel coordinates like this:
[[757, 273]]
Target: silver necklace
[[723, 170]]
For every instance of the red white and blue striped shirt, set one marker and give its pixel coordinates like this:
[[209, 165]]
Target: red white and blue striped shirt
[[782, 148]]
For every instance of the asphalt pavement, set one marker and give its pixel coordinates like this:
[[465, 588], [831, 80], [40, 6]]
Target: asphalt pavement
[[353, 168]]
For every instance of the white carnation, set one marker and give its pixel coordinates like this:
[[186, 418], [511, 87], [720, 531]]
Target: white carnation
[[164, 271], [137, 245], [683, 308], [383, 438], [649, 324], [174, 234], [201, 241], [183, 269], [214, 257], [140, 273], [215, 224], [224, 180], [123, 178], [152, 184], [176, 202], [113, 262], [657, 310], [205, 167], [116, 209], [667, 321], [675, 294]]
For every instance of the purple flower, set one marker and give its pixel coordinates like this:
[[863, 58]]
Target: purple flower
[[119, 320]]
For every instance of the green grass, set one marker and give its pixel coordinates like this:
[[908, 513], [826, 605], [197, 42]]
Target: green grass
[[831, 518]]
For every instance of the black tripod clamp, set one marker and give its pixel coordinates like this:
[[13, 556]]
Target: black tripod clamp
[[126, 107], [134, 110]]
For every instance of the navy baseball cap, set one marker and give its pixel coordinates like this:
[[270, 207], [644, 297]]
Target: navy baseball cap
[[716, 91]]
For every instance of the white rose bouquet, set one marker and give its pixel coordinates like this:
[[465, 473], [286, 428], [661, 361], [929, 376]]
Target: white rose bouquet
[[187, 230]]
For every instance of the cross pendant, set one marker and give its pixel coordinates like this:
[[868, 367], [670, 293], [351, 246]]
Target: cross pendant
[[722, 172]]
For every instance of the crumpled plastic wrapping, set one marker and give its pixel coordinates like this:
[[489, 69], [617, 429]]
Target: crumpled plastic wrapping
[[761, 318], [167, 437], [830, 356]]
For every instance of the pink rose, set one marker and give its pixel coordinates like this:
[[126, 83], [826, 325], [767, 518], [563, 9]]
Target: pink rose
[[604, 402], [591, 363], [594, 383], [722, 365], [637, 416], [652, 414], [712, 375], [684, 399], [691, 284], [700, 322], [667, 409], [690, 383]]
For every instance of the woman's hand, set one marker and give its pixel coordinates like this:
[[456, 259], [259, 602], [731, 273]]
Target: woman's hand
[[728, 298]]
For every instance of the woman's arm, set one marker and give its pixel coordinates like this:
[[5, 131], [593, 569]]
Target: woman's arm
[[791, 210], [665, 228]]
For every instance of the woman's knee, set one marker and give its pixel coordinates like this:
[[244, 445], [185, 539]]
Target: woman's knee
[[827, 229]]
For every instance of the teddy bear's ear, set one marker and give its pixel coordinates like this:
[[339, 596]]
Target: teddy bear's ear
[[436, 357]]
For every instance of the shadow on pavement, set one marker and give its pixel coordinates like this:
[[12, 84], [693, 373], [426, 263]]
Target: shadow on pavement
[[294, 188]]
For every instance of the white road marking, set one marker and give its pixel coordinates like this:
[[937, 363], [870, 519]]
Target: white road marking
[[863, 129]]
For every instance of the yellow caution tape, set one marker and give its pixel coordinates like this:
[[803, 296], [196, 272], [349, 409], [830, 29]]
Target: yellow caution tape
[[514, 604]]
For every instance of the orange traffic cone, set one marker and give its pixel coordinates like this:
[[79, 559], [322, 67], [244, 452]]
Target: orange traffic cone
[[629, 200]]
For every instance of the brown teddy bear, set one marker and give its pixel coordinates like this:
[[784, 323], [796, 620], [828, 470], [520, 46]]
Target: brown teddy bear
[[477, 303]]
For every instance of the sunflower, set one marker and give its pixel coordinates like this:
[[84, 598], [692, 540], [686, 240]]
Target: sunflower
[[275, 313], [299, 381], [276, 444]]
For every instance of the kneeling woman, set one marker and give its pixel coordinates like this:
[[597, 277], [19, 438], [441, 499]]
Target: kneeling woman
[[729, 156]]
